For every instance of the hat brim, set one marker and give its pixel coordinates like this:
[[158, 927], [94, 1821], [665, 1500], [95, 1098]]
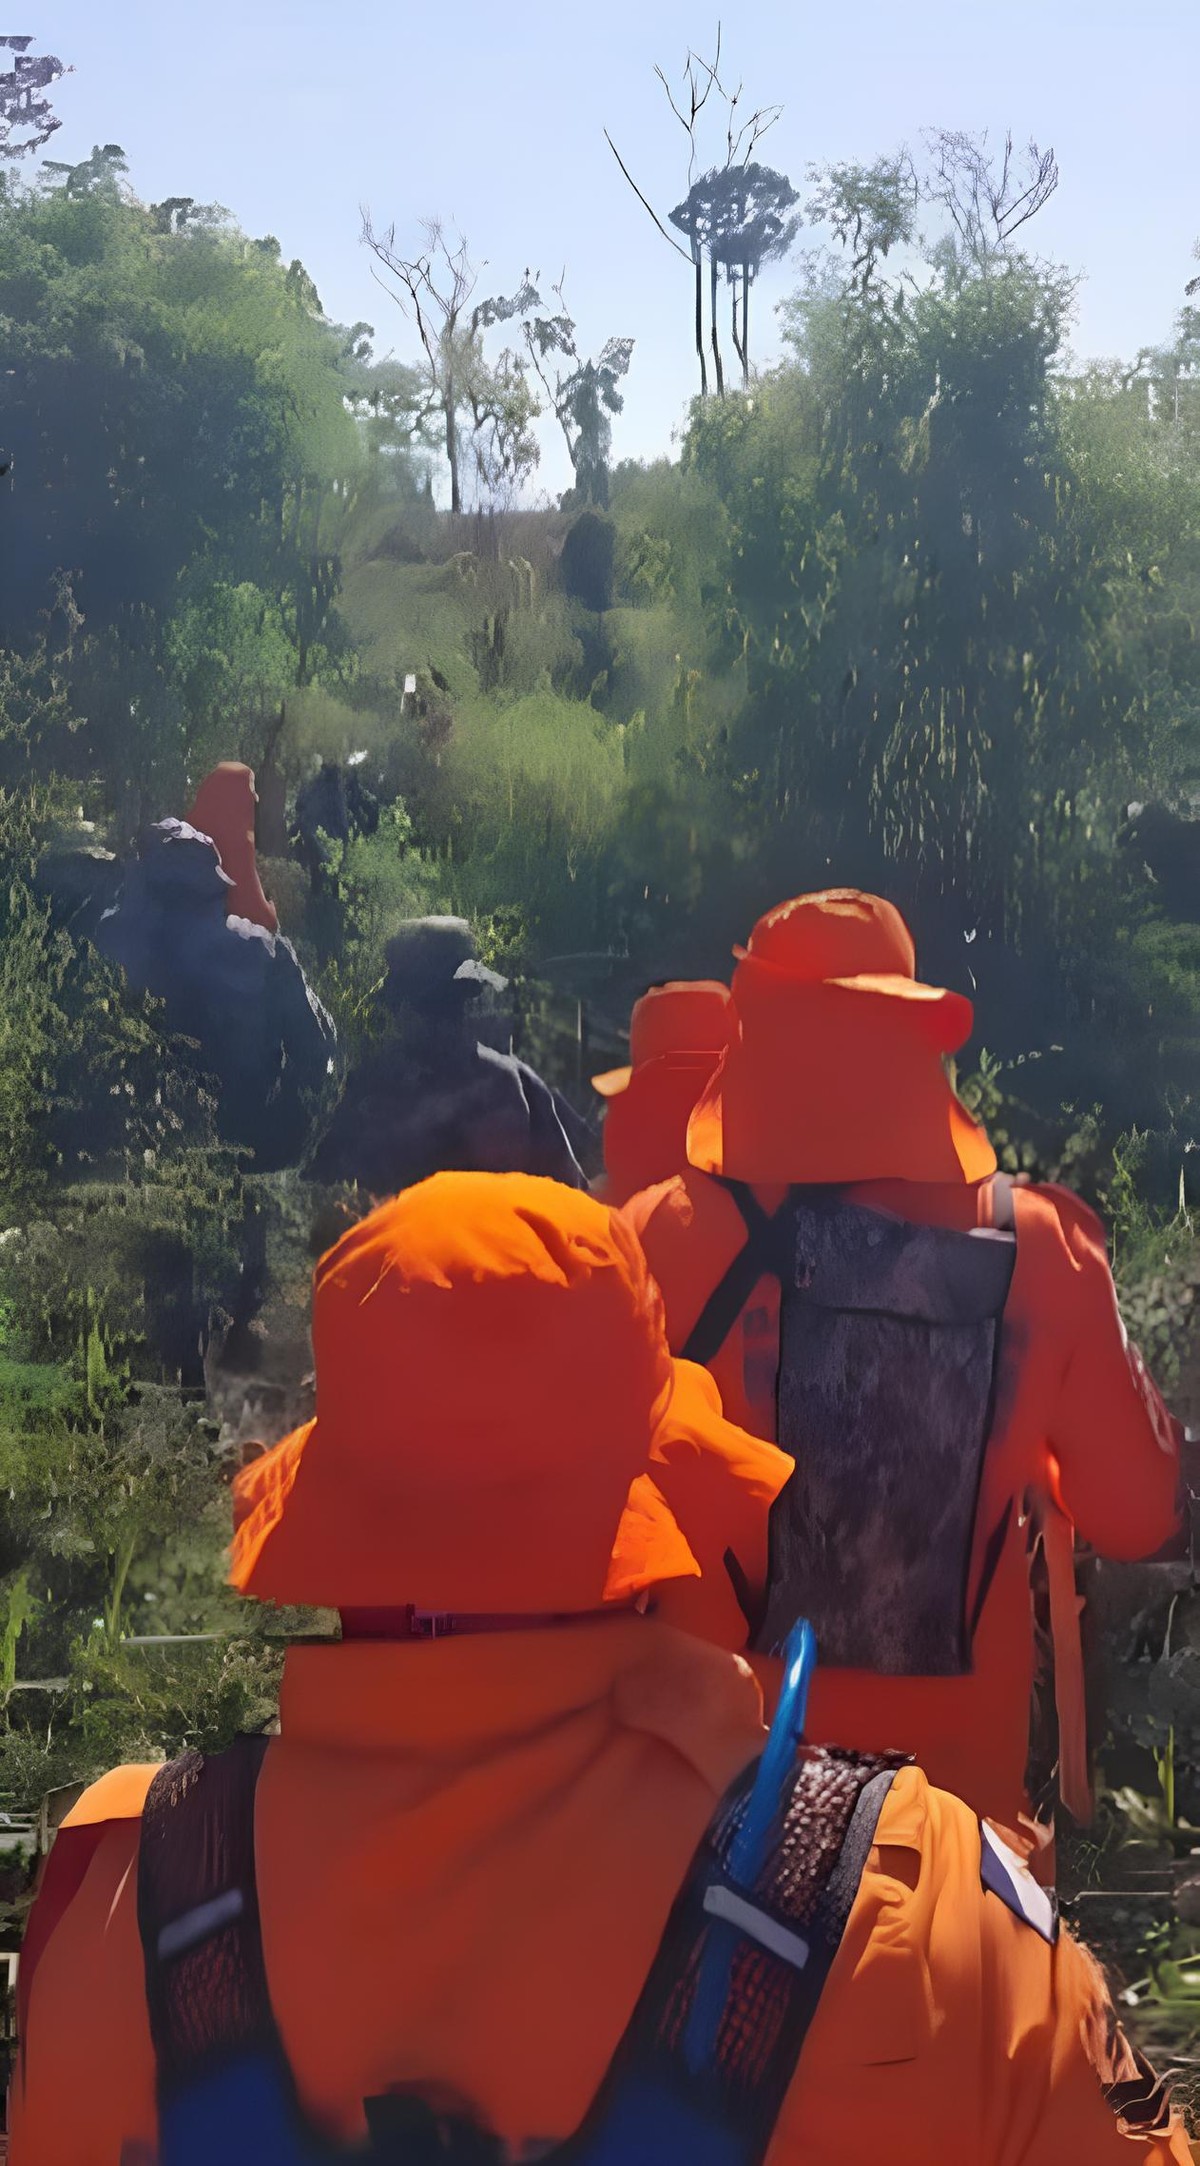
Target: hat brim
[[612, 1082], [840, 1081], [476, 973], [309, 1541], [889, 982]]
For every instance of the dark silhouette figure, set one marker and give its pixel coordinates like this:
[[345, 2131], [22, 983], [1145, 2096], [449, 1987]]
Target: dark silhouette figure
[[237, 990], [1169, 848], [331, 807], [431, 1097]]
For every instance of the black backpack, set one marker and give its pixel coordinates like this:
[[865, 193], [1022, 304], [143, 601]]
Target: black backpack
[[888, 1347]]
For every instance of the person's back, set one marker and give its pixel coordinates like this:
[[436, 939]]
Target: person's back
[[430, 1097], [471, 1835], [227, 983], [835, 1078]]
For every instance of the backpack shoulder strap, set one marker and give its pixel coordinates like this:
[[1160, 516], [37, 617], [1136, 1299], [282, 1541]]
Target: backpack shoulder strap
[[775, 1945], [206, 1981], [759, 1258]]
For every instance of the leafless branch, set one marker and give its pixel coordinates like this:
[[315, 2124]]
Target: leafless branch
[[642, 200], [987, 207], [1041, 188], [697, 98], [686, 124]]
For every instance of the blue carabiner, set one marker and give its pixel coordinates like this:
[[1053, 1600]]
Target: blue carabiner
[[750, 1846]]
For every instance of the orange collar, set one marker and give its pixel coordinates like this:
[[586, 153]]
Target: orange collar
[[474, 1696]]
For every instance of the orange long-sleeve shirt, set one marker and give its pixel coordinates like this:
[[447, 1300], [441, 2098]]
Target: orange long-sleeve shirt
[[1077, 1419], [467, 1853]]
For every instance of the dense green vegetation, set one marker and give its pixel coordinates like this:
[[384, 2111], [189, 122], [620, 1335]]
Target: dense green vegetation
[[914, 609]]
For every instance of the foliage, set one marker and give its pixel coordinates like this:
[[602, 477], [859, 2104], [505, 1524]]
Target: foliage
[[739, 217], [484, 409], [231, 660], [182, 422], [582, 393], [378, 880]]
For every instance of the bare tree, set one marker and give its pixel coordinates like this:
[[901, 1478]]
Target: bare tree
[[987, 204], [696, 105], [484, 411], [701, 79], [26, 117]]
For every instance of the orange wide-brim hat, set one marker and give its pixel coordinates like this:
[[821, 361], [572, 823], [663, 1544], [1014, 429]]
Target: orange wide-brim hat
[[838, 1071], [497, 1416], [646, 1126], [686, 1015]]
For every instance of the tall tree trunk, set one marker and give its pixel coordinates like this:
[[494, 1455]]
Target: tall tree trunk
[[746, 321], [738, 347], [712, 311], [451, 417], [699, 262]]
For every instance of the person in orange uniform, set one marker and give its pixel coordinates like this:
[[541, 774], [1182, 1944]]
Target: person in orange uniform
[[502, 1876], [835, 1093], [677, 1034], [224, 811]]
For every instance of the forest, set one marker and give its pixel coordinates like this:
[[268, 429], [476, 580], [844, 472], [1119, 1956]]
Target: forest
[[913, 608]]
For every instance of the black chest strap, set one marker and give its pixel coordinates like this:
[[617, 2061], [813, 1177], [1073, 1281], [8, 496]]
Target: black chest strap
[[764, 1255], [767, 1254]]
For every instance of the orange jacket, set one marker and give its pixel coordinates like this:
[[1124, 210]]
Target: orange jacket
[[1078, 1421], [468, 1850]]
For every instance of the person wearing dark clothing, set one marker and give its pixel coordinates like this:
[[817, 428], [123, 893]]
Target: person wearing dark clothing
[[233, 987], [333, 806], [431, 1097]]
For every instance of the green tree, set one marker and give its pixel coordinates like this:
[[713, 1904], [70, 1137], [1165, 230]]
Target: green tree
[[583, 393], [910, 589], [183, 420]]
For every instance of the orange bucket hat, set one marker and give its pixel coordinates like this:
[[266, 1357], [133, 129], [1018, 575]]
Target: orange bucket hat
[[693, 1016], [224, 811], [677, 1034], [837, 1074], [496, 1405]]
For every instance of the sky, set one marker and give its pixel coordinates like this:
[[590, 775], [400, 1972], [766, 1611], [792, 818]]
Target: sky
[[295, 114]]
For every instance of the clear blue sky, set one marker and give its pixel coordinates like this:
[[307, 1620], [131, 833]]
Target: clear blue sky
[[293, 113]]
